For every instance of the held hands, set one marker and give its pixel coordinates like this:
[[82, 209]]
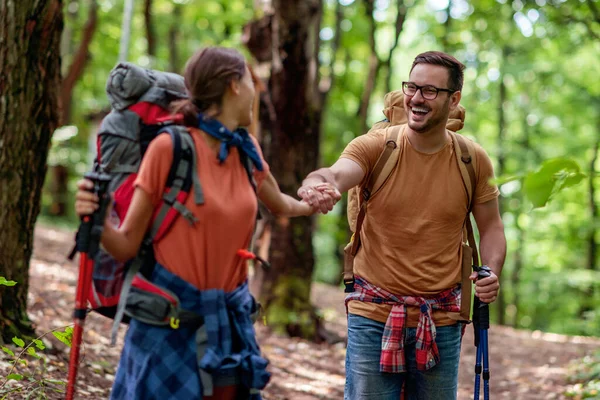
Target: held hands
[[321, 197], [486, 288]]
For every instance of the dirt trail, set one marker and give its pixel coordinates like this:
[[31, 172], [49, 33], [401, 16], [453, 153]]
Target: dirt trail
[[524, 365]]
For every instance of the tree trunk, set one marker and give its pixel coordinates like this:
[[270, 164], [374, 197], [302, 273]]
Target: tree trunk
[[174, 59], [587, 304], [60, 173], [447, 28], [401, 11], [374, 66], [292, 142], [150, 33], [72, 8], [80, 59], [501, 301], [518, 255], [29, 83]]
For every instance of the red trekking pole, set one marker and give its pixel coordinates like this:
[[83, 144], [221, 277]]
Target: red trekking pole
[[88, 244]]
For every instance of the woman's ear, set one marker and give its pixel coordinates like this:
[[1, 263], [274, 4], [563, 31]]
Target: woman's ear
[[234, 86]]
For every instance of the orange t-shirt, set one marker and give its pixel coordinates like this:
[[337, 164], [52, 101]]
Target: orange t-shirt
[[411, 236], [204, 254]]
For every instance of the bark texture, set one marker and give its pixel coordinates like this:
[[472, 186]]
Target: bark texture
[[29, 112]]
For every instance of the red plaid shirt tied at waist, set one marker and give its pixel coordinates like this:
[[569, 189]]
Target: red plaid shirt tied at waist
[[392, 343]]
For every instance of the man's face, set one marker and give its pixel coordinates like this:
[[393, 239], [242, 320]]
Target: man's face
[[424, 115]]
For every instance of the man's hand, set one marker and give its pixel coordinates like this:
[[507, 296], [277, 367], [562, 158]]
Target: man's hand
[[321, 196], [486, 288]]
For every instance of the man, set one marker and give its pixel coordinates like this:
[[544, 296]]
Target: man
[[411, 245]]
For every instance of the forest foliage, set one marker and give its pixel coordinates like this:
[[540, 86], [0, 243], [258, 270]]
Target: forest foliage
[[531, 92]]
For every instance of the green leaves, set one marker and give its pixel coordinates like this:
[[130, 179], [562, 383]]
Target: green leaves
[[551, 177], [14, 377], [19, 342], [65, 337], [7, 351], [31, 352], [5, 282]]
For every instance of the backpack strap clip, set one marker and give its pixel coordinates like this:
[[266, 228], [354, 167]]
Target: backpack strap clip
[[366, 194], [185, 212]]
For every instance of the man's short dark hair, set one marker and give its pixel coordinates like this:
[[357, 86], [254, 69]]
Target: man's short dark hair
[[455, 68]]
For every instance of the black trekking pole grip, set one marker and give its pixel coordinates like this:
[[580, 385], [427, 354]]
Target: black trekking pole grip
[[483, 308], [90, 230]]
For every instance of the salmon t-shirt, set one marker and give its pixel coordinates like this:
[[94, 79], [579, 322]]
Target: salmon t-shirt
[[204, 254], [412, 233]]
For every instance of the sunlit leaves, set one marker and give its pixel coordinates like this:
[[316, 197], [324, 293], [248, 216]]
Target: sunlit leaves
[[554, 175], [65, 337], [19, 342], [5, 282]]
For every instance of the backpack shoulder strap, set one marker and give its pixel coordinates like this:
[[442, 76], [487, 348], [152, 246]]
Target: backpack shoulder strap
[[183, 176], [382, 170], [466, 160], [387, 161], [249, 167]]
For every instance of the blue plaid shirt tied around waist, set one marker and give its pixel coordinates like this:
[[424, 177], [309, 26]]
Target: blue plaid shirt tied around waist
[[392, 343], [162, 363]]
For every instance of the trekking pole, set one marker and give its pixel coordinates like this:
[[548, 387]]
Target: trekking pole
[[481, 324], [88, 244]]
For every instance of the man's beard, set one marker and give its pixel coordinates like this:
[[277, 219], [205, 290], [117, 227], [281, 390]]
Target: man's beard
[[442, 115]]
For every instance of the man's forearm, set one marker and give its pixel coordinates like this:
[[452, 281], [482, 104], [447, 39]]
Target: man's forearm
[[322, 175], [492, 246]]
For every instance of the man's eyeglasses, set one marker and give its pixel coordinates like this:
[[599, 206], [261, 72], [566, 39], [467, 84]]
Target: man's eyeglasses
[[428, 92]]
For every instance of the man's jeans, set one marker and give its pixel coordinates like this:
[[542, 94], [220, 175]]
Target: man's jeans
[[365, 382]]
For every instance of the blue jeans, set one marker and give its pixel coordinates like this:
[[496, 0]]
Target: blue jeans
[[364, 381]]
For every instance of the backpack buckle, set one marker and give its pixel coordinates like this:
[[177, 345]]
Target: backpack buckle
[[466, 158], [366, 194]]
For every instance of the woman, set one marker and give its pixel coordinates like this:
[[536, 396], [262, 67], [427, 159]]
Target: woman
[[200, 263]]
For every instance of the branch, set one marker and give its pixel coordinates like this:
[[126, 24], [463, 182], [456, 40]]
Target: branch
[[374, 65], [150, 35], [173, 36], [325, 84], [595, 11], [79, 62], [400, 19]]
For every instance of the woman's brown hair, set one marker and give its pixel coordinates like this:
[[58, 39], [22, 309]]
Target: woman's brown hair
[[207, 75]]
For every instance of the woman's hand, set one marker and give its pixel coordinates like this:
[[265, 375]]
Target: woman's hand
[[322, 196], [86, 201]]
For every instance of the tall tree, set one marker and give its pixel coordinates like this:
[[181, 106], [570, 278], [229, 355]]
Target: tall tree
[[79, 61], [292, 148], [174, 57], [150, 31], [29, 85], [59, 173], [376, 62], [501, 157]]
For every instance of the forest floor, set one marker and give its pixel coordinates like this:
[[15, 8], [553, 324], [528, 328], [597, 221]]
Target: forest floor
[[524, 365]]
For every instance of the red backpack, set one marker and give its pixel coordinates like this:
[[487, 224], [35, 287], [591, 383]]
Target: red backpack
[[140, 100]]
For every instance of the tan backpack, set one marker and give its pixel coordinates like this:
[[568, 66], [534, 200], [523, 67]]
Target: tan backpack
[[359, 197]]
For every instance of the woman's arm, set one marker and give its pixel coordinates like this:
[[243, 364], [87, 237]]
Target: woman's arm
[[122, 243], [279, 203]]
